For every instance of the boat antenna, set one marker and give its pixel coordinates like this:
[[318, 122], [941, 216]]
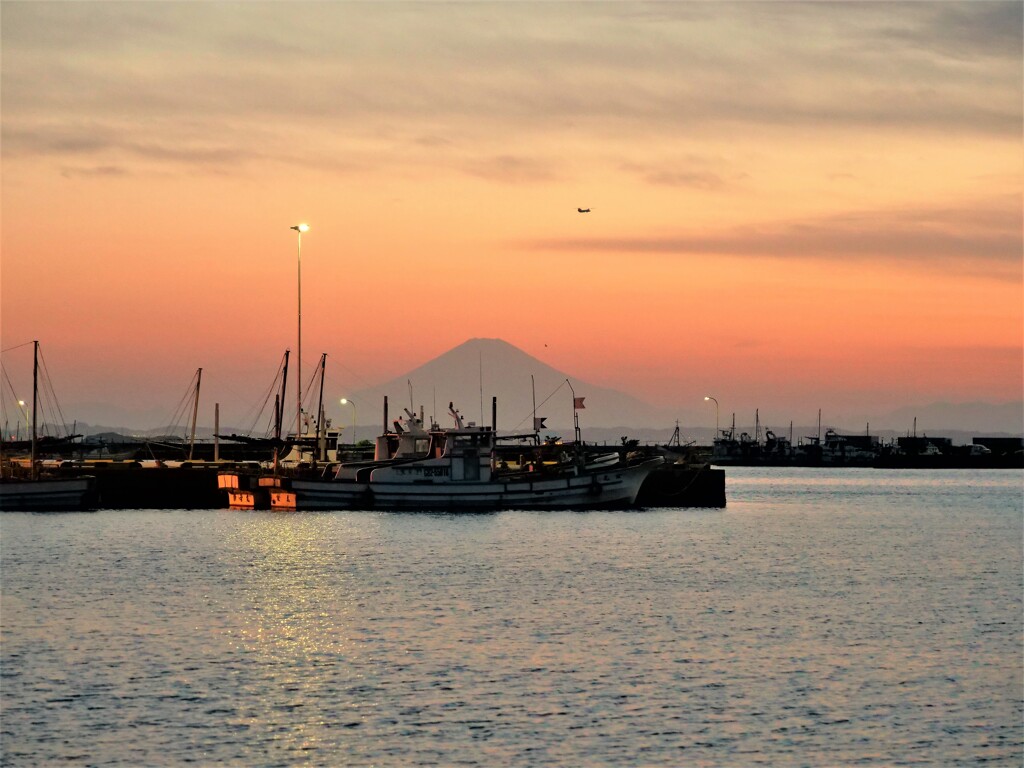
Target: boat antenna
[[533, 389], [481, 363], [575, 413]]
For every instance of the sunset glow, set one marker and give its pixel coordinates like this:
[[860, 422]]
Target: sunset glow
[[789, 203]]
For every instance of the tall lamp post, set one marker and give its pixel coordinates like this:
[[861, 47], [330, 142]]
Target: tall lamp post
[[299, 228], [706, 398], [346, 401]]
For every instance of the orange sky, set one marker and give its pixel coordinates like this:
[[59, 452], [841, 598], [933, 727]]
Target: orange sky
[[791, 204]]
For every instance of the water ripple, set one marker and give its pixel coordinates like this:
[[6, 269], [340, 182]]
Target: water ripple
[[825, 618]]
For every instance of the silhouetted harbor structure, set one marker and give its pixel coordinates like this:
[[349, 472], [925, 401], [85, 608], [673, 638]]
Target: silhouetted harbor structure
[[864, 450], [159, 484]]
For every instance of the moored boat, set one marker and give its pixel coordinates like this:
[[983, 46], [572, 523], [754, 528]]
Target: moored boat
[[31, 492], [45, 494], [466, 468]]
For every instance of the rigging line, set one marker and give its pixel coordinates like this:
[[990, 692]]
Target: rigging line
[[22, 415], [274, 384], [310, 389], [341, 386], [336, 361], [271, 391], [555, 392], [10, 386], [18, 346], [262, 409], [179, 409], [182, 408], [52, 394], [14, 399]]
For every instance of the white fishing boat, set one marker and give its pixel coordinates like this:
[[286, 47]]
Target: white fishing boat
[[465, 468]]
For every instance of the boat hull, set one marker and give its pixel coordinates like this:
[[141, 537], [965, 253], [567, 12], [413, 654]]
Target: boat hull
[[612, 488], [48, 495]]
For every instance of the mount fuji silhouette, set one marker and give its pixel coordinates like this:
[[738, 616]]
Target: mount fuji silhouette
[[496, 368]]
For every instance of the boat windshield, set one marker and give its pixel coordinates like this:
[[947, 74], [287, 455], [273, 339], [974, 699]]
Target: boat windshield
[[460, 441]]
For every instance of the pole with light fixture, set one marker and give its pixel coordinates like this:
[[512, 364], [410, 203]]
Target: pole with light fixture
[[299, 228], [706, 398], [346, 401], [24, 412]]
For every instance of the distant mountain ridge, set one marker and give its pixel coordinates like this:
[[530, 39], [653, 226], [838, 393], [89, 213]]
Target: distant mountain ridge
[[499, 369], [978, 417], [493, 367]]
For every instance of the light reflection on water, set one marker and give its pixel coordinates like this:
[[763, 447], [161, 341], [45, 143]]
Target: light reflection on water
[[824, 618]]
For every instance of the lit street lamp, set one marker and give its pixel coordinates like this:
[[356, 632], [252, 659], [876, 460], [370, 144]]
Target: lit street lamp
[[299, 228], [23, 410], [346, 401], [706, 398]]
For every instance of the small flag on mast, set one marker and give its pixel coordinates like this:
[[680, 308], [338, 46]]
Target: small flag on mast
[[538, 423], [577, 403]]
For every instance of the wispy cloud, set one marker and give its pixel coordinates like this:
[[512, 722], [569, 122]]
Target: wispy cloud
[[92, 141], [94, 171], [984, 237], [136, 77], [694, 173], [512, 169]]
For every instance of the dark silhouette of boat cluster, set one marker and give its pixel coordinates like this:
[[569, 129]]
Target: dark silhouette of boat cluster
[[864, 450]]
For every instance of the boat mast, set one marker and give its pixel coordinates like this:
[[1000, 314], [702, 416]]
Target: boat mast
[[320, 407], [279, 410], [35, 397], [195, 413]]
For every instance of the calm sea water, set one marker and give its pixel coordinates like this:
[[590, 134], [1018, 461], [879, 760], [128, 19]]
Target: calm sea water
[[825, 618]]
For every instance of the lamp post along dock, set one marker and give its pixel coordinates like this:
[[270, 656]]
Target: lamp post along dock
[[299, 228], [709, 397]]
